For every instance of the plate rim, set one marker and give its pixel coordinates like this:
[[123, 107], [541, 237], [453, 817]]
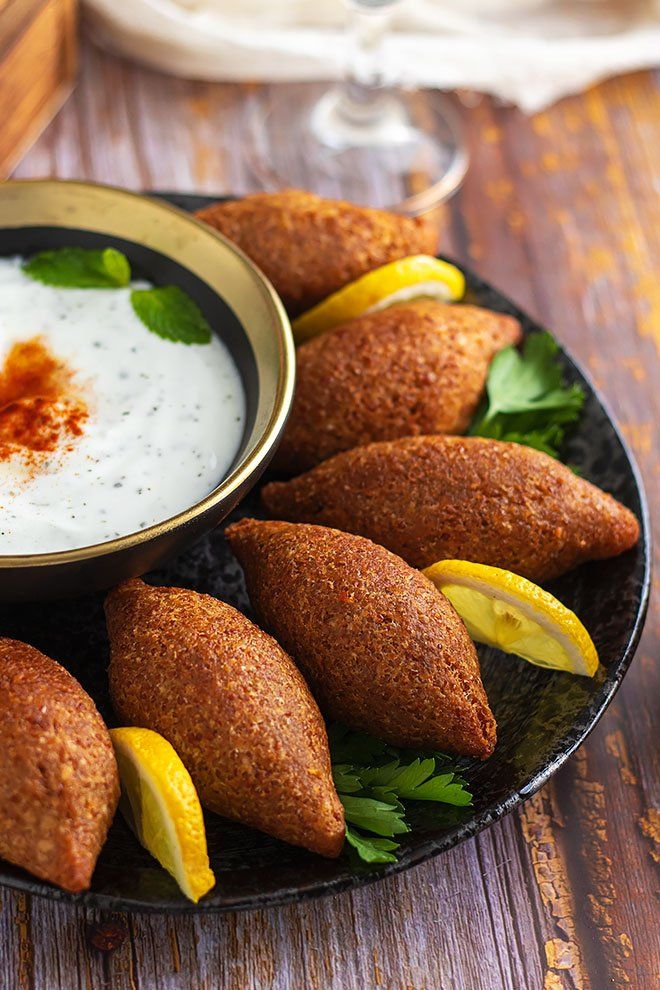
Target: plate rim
[[430, 848]]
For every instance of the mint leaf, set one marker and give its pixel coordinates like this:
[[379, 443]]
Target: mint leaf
[[170, 312], [528, 400], [80, 268], [117, 266]]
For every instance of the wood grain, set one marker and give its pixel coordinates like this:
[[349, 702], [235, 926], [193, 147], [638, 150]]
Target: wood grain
[[37, 66], [561, 212]]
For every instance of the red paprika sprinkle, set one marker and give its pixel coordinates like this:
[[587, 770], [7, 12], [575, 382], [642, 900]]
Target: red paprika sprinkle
[[39, 408]]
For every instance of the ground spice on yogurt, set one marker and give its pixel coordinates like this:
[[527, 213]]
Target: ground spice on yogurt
[[41, 411]]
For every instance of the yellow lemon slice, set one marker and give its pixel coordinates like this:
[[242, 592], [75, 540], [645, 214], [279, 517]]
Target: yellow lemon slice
[[399, 281], [507, 611], [160, 803]]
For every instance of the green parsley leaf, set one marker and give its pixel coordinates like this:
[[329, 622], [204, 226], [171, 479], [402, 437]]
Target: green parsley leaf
[[417, 782], [374, 816], [374, 779], [80, 268], [444, 789], [528, 400], [171, 313], [400, 779], [370, 849], [345, 778], [353, 747]]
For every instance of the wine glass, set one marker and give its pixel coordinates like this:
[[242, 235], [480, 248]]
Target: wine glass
[[362, 139]]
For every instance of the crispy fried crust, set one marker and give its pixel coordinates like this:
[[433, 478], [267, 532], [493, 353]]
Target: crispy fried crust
[[412, 369], [232, 704], [432, 498], [382, 650], [309, 247], [59, 785]]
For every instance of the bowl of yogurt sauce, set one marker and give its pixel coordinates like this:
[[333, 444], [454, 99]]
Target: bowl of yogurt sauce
[[120, 446]]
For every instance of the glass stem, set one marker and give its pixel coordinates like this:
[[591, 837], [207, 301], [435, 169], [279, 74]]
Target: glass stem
[[362, 97]]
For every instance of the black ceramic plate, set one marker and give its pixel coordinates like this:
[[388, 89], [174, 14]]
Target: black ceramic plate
[[542, 716]]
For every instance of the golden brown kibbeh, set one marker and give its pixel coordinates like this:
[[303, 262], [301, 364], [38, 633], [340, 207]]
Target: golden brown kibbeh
[[436, 498], [381, 648], [309, 246], [59, 785], [232, 704], [412, 369]]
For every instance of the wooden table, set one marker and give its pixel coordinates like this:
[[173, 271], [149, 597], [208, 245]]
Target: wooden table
[[560, 212]]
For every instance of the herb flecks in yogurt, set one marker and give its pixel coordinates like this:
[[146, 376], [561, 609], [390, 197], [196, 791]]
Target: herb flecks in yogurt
[[185, 406]]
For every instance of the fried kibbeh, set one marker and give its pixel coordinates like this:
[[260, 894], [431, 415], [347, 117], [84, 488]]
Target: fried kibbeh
[[59, 785], [434, 498], [381, 648], [310, 247], [232, 704], [412, 369]]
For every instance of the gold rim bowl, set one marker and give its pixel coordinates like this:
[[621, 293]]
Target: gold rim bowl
[[167, 245]]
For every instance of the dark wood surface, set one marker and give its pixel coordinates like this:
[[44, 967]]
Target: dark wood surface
[[561, 213]]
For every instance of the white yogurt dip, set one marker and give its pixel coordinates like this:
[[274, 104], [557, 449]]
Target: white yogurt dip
[[164, 424]]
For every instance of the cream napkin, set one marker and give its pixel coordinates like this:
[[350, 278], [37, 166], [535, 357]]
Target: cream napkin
[[529, 52]]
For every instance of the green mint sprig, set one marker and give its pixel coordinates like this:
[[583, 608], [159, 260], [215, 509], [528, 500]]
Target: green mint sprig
[[373, 780], [80, 268], [170, 312], [528, 400], [165, 310]]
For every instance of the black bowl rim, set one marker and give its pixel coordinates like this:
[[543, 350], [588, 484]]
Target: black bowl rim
[[430, 848]]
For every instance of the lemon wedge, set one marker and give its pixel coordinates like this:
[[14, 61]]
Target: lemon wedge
[[509, 612], [398, 281], [160, 803]]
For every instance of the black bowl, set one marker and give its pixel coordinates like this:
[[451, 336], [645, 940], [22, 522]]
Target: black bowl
[[542, 716]]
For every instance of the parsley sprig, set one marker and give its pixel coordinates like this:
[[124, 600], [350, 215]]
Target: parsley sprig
[[373, 780], [528, 400]]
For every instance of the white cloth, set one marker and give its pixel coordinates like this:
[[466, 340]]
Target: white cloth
[[529, 52]]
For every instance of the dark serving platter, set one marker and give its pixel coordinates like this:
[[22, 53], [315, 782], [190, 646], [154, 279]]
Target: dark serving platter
[[542, 716]]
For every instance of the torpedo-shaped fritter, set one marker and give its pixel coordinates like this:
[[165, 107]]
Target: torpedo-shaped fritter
[[433, 498], [309, 246], [59, 784], [232, 704], [412, 369], [382, 650]]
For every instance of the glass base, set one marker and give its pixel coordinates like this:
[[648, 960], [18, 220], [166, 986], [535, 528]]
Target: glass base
[[385, 148]]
